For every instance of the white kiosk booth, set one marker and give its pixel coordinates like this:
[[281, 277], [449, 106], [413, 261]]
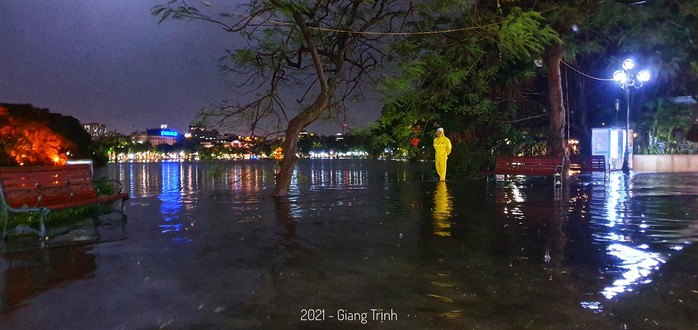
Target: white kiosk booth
[[610, 142]]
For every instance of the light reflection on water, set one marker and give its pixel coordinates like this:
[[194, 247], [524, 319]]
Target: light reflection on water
[[443, 210], [635, 260], [633, 252], [328, 174], [617, 230], [635, 225], [171, 198], [637, 266], [365, 234]]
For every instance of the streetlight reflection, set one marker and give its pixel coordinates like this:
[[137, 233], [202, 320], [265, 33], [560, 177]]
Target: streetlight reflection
[[637, 266]]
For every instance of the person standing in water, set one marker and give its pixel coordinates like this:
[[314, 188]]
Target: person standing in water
[[442, 148]]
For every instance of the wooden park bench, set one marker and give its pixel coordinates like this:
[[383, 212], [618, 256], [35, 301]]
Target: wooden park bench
[[529, 166], [588, 164], [585, 164], [42, 189]]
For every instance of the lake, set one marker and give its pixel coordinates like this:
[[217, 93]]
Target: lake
[[364, 243]]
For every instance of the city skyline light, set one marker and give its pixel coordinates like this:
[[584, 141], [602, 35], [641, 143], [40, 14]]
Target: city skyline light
[[112, 63]]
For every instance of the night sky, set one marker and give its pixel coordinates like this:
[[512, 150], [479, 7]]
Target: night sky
[[111, 62]]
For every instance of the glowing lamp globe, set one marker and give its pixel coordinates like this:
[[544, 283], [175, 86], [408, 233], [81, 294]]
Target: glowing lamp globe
[[620, 76]]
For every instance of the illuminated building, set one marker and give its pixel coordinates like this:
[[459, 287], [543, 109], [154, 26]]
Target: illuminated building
[[96, 130], [138, 137], [200, 133], [162, 135]]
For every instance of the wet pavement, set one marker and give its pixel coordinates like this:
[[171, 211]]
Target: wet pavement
[[365, 244]]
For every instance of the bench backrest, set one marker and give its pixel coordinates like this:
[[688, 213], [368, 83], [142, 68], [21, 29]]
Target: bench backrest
[[528, 165], [584, 163], [22, 185]]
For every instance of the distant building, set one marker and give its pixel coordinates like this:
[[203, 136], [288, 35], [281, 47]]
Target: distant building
[[232, 140], [162, 135], [95, 130], [139, 137], [113, 134], [199, 133]]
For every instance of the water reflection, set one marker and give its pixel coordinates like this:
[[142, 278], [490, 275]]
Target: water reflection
[[618, 228], [443, 209], [637, 266], [638, 230], [147, 179], [332, 174], [171, 199], [634, 260], [31, 272], [536, 210], [365, 234]]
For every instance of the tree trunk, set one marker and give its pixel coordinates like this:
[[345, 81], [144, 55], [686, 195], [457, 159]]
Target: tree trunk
[[290, 146], [582, 109], [556, 134]]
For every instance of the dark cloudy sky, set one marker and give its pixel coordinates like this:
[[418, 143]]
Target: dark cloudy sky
[[111, 62]]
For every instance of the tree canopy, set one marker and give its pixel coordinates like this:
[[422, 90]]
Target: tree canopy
[[304, 60], [502, 77]]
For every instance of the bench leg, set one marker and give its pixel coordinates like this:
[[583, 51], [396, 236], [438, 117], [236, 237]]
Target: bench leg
[[6, 220], [123, 207], [557, 180], [42, 223], [557, 177], [43, 216]]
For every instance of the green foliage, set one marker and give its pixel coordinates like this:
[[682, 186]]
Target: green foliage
[[658, 126], [477, 80], [178, 12], [465, 162], [55, 218], [456, 81], [105, 186], [524, 35], [244, 57]]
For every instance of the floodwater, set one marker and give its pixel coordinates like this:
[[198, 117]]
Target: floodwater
[[366, 244]]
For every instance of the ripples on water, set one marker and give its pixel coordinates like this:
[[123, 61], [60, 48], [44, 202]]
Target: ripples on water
[[637, 224], [357, 235]]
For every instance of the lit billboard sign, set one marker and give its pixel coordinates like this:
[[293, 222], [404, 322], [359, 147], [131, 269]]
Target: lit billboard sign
[[164, 132]]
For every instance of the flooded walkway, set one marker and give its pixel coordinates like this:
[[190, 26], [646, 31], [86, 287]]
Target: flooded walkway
[[366, 244]]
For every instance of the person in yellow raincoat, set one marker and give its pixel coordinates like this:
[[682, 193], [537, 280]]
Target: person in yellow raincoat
[[442, 148]]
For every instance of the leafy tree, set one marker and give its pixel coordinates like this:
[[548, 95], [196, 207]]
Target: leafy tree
[[470, 77], [659, 36], [108, 145], [308, 143], [322, 52], [660, 125], [33, 136], [595, 36]]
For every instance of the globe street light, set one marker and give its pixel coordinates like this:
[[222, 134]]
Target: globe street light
[[627, 79]]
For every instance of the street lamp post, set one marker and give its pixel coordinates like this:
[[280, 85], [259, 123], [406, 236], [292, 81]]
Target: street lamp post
[[626, 78]]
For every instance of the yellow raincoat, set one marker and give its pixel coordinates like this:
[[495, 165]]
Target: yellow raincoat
[[442, 148]]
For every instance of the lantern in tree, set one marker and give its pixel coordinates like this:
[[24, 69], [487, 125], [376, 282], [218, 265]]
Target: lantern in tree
[[415, 140], [278, 153]]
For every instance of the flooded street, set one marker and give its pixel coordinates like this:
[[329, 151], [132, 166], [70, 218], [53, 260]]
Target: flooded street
[[366, 244]]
